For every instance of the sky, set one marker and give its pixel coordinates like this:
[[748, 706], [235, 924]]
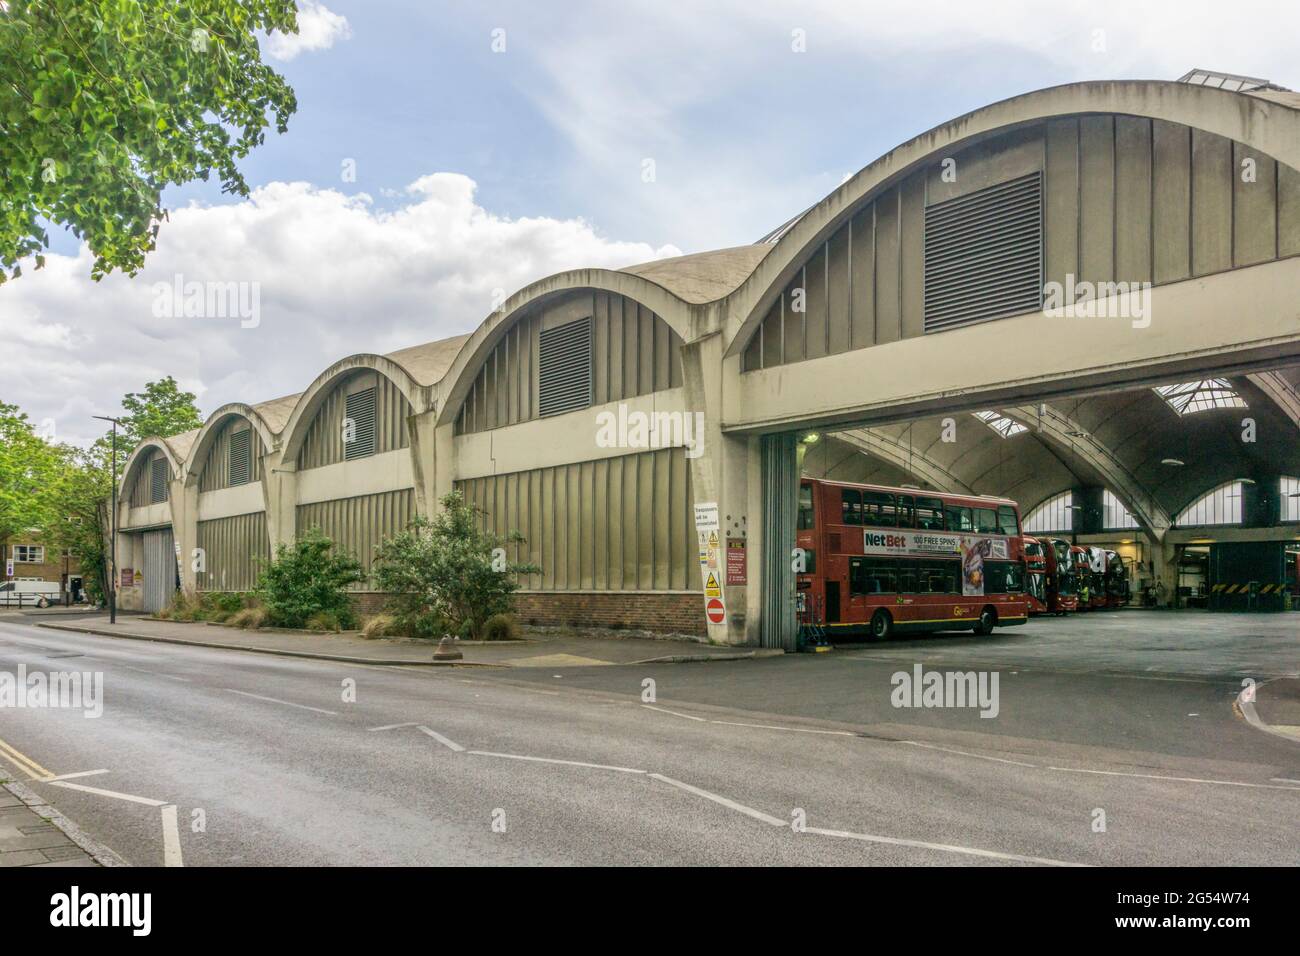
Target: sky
[[446, 153]]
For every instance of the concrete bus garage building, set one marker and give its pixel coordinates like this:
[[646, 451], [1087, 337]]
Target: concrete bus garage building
[[899, 331]]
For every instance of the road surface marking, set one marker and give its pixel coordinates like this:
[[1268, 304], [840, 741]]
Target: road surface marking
[[71, 776], [171, 837], [941, 847], [141, 670], [673, 712], [130, 798], [793, 730], [1283, 780], [721, 800], [1156, 776], [964, 753], [569, 763], [287, 703], [23, 763], [393, 726], [449, 744]]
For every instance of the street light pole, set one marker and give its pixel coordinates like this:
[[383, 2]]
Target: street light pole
[[112, 542]]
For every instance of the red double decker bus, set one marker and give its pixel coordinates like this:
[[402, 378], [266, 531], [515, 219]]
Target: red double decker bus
[[880, 559], [1036, 576], [1061, 577]]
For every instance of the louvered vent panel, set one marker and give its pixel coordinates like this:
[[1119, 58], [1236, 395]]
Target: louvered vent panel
[[984, 255], [241, 457], [158, 480], [360, 408], [564, 363]]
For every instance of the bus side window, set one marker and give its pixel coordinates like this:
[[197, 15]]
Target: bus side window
[[951, 574], [958, 518], [929, 514], [882, 576], [909, 578], [851, 506], [878, 509], [857, 576], [986, 521], [805, 507], [905, 510], [1008, 521]]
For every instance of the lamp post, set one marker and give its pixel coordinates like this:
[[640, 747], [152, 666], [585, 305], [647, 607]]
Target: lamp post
[[112, 541]]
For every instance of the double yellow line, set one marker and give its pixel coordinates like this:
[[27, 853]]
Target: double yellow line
[[23, 762]]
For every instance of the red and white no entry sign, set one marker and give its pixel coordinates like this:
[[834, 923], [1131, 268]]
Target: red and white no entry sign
[[715, 611]]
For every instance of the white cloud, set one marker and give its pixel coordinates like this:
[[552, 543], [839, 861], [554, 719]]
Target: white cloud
[[335, 276], [319, 28]]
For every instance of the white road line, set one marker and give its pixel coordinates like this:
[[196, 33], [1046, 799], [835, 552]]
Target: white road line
[[568, 763], [1283, 780], [941, 847], [141, 670], [793, 730], [130, 798], [171, 837], [722, 801], [663, 710], [449, 744], [70, 776], [287, 703], [393, 726], [1156, 776], [963, 753]]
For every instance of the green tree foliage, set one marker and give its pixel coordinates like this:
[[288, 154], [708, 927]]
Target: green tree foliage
[[308, 579], [160, 411], [104, 103], [78, 514], [28, 465], [442, 572]]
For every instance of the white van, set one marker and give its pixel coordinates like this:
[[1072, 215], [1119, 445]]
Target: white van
[[29, 592]]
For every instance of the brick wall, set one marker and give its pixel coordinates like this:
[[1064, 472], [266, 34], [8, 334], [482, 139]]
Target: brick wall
[[667, 612], [672, 612]]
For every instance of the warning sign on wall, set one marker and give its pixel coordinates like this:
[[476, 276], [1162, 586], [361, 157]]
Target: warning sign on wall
[[736, 567], [711, 587], [715, 610]]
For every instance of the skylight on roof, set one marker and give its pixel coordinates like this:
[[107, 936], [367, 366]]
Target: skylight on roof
[[1187, 398], [1006, 427], [1225, 81]]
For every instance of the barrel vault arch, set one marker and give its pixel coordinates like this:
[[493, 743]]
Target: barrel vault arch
[[1267, 125], [211, 430]]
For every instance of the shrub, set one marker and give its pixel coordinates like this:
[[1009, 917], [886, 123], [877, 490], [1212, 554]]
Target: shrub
[[307, 578], [443, 574], [249, 617], [324, 621], [501, 627], [379, 625]]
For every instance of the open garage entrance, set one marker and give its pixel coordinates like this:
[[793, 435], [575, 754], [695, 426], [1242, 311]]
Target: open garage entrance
[[1179, 493]]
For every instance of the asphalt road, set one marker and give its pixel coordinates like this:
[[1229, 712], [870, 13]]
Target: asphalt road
[[572, 766]]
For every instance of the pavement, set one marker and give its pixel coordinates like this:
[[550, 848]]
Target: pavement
[[206, 756], [563, 649], [32, 833]]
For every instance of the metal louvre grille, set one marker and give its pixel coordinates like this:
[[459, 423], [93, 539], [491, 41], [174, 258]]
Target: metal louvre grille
[[360, 408], [241, 457], [158, 480], [984, 255], [564, 368]]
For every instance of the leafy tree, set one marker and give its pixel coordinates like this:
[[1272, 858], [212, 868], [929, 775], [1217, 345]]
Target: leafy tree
[[161, 410], [306, 579], [443, 570], [104, 103], [28, 465]]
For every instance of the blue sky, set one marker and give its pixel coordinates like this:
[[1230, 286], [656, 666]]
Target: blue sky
[[480, 171]]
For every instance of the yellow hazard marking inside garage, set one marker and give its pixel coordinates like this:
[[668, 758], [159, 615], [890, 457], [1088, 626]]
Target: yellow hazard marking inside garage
[[557, 660]]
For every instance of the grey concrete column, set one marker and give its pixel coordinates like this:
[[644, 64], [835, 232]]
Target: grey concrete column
[[280, 496], [422, 431], [443, 466], [184, 501]]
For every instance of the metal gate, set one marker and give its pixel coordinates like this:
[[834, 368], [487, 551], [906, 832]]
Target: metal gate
[[780, 467], [159, 570]]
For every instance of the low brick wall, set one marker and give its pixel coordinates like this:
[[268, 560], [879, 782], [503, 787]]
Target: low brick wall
[[665, 612], [669, 612]]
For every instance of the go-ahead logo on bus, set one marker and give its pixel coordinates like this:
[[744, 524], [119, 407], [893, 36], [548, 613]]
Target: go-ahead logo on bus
[[910, 542]]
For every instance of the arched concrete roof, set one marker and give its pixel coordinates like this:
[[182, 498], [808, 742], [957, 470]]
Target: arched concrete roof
[[704, 276], [653, 291], [1268, 123], [208, 434], [310, 401], [175, 449]]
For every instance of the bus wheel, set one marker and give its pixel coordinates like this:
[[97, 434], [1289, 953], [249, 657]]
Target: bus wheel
[[988, 618], [882, 625]]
